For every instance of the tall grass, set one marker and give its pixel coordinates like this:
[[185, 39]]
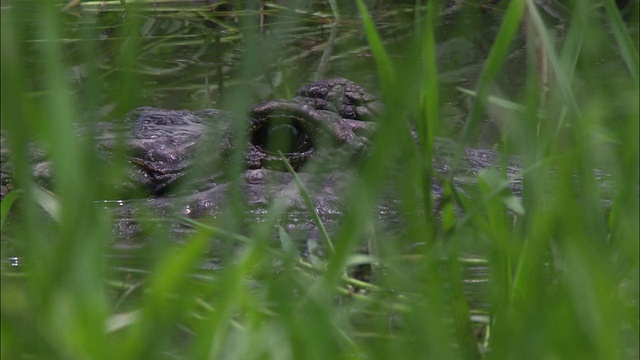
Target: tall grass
[[562, 260]]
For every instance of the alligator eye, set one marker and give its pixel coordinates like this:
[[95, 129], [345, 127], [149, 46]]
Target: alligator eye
[[286, 135]]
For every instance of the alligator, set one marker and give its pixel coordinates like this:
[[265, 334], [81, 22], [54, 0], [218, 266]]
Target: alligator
[[180, 159]]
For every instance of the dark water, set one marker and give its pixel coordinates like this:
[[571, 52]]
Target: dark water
[[193, 57]]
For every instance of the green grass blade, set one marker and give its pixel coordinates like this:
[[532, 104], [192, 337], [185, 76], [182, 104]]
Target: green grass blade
[[428, 123], [383, 62], [623, 38], [560, 73], [7, 203], [310, 206], [497, 55]]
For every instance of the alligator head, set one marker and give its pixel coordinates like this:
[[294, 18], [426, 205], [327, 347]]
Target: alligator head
[[182, 158]]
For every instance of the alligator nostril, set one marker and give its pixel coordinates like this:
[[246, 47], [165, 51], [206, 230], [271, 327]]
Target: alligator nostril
[[281, 134]]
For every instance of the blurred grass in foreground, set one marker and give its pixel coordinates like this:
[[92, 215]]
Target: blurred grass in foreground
[[563, 274]]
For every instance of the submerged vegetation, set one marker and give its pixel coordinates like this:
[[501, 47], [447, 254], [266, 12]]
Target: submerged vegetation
[[477, 274]]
